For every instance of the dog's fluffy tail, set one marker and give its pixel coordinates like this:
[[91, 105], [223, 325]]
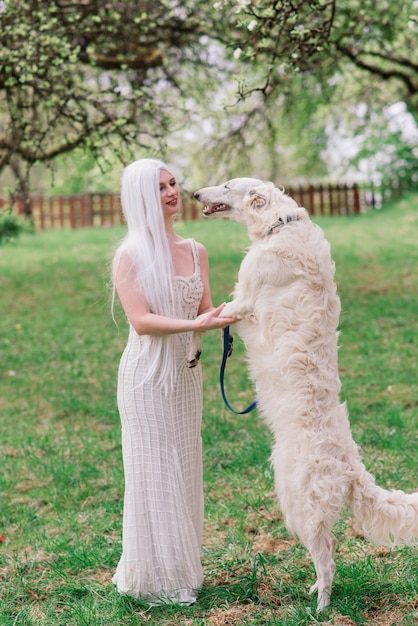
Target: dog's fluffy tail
[[383, 517]]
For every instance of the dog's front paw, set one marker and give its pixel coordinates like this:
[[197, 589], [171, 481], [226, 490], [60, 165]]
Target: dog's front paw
[[231, 310]]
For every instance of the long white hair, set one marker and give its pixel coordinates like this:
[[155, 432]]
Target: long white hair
[[147, 245]]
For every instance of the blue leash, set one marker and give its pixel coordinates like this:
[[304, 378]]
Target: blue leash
[[222, 376]]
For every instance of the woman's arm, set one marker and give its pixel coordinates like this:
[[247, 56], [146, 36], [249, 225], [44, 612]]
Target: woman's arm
[[206, 301], [146, 323]]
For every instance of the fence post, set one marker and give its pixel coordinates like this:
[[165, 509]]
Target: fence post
[[311, 200], [90, 209], [331, 200], [301, 196], [51, 211], [344, 190], [72, 213], [41, 213], [110, 205], [339, 199], [101, 209], [356, 198], [321, 200], [82, 201], [193, 211]]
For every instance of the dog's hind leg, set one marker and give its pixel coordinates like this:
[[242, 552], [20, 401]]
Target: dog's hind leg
[[322, 550]]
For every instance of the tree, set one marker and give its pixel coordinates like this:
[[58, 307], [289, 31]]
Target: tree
[[313, 62], [128, 75], [88, 73], [379, 37]]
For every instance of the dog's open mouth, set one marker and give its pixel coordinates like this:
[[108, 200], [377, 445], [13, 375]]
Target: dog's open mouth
[[210, 209]]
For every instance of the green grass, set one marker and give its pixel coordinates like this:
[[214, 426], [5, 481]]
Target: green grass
[[61, 479]]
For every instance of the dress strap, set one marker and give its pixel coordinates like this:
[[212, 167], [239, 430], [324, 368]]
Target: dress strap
[[196, 257]]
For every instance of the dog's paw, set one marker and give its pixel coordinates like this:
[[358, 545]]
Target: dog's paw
[[314, 588], [323, 596], [231, 310], [195, 360]]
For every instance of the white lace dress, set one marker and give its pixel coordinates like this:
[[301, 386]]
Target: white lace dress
[[162, 457]]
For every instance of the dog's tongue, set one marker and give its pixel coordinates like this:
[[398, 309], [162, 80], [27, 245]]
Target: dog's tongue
[[214, 208]]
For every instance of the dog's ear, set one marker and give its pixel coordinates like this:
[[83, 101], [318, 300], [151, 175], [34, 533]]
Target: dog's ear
[[257, 199]]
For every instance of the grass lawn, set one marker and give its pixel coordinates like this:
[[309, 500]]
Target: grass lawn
[[61, 478]]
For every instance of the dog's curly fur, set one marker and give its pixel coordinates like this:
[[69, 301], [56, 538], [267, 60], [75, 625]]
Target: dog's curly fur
[[287, 302]]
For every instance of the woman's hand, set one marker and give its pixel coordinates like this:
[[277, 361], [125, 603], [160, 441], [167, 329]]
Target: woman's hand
[[211, 319]]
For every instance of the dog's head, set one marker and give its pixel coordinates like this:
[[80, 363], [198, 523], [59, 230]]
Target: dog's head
[[261, 206], [226, 200]]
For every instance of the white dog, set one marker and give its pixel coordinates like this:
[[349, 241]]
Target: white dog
[[289, 309]]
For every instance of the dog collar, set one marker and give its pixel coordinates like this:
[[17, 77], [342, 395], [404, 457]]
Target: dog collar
[[280, 222]]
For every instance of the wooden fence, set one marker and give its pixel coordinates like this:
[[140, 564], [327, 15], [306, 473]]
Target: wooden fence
[[90, 210]]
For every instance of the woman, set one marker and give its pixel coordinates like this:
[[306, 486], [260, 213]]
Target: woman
[[162, 281]]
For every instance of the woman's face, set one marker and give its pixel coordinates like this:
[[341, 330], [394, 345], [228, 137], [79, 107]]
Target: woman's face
[[169, 193]]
